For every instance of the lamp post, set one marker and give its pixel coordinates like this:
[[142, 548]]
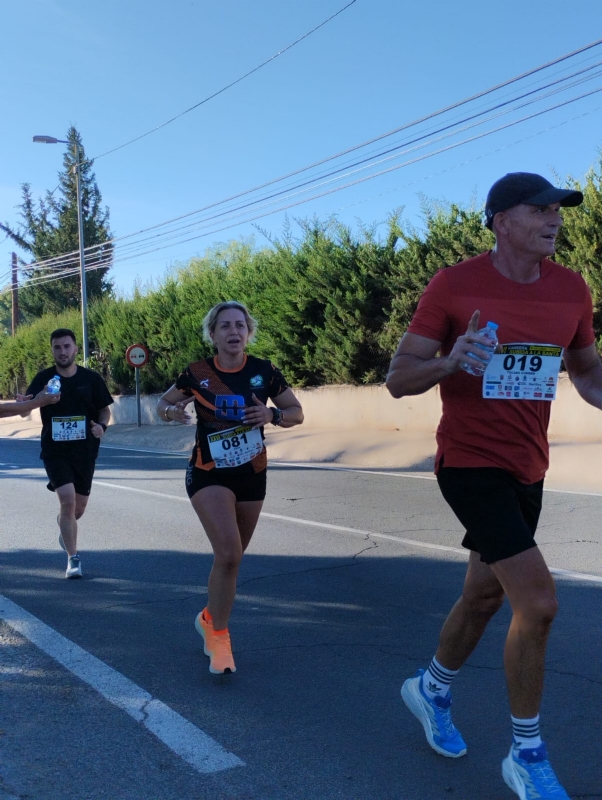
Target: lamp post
[[80, 229]]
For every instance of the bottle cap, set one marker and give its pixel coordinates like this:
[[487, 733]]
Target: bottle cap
[[493, 325]]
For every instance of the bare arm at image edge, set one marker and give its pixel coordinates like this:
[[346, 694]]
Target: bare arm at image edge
[[585, 371]]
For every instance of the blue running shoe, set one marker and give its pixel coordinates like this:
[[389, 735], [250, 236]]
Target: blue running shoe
[[530, 775], [435, 716]]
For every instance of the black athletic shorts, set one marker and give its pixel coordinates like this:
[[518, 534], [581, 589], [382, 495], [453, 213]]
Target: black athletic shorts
[[499, 512], [61, 472], [247, 486]]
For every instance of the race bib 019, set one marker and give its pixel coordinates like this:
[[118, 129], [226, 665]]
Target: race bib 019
[[523, 371], [235, 446], [68, 429]]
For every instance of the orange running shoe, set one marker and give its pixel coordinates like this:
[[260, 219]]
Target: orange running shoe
[[221, 654], [217, 646]]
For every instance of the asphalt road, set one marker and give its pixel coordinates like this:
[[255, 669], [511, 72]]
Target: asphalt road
[[341, 597]]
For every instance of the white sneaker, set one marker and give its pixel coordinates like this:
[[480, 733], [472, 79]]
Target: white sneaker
[[435, 718], [74, 567], [529, 773]]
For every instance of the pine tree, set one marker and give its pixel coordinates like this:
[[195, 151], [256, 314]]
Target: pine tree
[[49, 229]]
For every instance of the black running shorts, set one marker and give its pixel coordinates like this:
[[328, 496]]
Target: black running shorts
[[499, 512], [61, 472], [246, 486]]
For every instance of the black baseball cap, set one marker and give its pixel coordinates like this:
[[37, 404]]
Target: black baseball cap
[[526, 187]]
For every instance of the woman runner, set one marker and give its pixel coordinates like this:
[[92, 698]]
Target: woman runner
[[226, 475]]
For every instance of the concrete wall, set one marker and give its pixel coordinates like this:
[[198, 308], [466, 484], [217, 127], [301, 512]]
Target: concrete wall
[[124, 411], [349, 407]]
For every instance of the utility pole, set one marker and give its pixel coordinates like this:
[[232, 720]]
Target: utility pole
[[80, 228], [15, 295], [82, 258]]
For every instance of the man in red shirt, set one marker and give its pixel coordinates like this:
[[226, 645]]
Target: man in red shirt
[[492, 449]]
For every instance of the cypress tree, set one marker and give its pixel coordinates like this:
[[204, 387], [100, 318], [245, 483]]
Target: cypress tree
[[49, 228]]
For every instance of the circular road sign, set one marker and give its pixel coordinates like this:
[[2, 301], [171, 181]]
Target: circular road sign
[[136, 355]]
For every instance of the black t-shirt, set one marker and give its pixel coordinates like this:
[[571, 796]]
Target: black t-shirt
[[220, 397], [82, 396]]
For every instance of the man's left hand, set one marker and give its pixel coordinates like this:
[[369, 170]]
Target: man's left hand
[[97, 429]]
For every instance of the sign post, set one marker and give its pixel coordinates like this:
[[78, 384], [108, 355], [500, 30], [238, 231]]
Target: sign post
[[137, 356]]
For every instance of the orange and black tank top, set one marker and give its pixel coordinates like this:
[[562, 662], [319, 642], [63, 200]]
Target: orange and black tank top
[[220, 397]]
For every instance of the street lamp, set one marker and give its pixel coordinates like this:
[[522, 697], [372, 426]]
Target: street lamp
[[80, 228]]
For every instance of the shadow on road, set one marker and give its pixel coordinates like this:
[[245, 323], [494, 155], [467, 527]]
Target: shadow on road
[[322, 646]]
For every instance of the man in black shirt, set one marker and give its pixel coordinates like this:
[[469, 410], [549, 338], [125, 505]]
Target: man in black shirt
[[71, 433]]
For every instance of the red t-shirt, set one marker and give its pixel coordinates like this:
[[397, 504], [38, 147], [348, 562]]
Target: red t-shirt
[[556, 309]]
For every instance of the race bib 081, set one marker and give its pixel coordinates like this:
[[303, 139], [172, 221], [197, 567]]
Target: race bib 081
[[235, 446]]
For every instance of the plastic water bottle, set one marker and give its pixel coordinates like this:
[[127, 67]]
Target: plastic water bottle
[[54, 385], [490, 331]]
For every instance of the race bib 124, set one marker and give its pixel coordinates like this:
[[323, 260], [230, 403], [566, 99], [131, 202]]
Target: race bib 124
[[68, 429]]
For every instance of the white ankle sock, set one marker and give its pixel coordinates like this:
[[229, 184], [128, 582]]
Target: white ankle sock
[[436, 680], [526, 733]]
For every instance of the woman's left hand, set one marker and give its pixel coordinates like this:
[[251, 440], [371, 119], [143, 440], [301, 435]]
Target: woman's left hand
[[257, 415]]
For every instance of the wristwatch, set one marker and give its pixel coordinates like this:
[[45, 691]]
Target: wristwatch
[[103, 426], [276, 416]]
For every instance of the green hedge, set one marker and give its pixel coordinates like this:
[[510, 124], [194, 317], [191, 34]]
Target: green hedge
[[331, 303]]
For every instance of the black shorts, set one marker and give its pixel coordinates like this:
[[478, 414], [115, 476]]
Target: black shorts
[[499, 512], [246, 485], [61, 472]]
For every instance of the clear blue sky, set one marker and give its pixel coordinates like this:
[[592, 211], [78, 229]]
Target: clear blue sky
[[119, 69]]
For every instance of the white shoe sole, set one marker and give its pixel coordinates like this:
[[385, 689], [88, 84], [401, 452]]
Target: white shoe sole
[[510, 779], [414, 704]]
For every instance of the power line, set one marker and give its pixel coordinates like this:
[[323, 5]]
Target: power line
[[137, 248], [397, 151], [406, 126], [357, 147], [230, 85], [357, 166], [45, 279], [382, 172], [535, 94], [60, 262]]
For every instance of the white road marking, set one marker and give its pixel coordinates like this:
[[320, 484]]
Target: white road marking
[[414, 475], [182, 737], [340, 468], [333, 467], [560, 573], [141, 491]]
